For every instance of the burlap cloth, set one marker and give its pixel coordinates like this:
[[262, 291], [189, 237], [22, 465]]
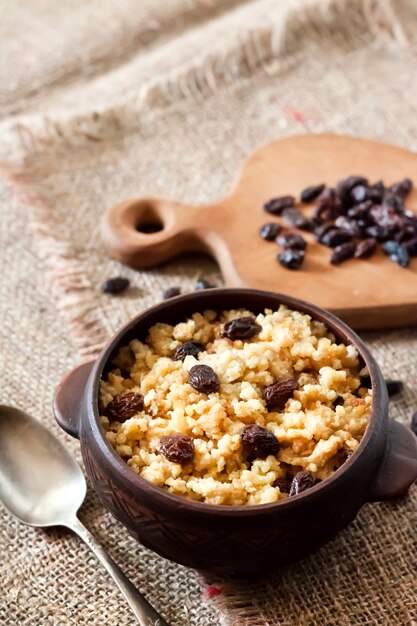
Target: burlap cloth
[[101, 101]]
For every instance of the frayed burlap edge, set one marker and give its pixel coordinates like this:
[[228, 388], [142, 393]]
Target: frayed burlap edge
[[75, 297]]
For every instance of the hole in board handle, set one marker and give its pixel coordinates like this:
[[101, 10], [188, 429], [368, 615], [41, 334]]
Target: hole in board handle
[[149, 221], [149, 227]]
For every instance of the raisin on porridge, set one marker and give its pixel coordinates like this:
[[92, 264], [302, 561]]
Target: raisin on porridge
[[235, 408]]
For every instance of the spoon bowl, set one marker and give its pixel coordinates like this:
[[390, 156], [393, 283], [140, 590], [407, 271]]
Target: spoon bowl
[[41, 485]]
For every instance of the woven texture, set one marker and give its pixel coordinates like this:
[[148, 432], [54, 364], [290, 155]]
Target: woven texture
[[102, 101]]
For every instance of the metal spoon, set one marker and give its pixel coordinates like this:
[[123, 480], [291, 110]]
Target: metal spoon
[[42, 485]]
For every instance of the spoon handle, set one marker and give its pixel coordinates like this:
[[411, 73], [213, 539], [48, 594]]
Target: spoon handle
[[143, 611]]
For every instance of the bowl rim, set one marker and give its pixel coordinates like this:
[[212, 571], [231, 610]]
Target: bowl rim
[[135, 482]]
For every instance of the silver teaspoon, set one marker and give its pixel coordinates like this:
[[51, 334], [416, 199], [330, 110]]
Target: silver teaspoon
[[42, 485]]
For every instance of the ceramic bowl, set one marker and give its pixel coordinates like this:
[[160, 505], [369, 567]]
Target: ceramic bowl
[[235, 540]]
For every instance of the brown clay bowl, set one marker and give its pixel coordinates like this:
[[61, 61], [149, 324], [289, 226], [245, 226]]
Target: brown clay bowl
[[235, 540]]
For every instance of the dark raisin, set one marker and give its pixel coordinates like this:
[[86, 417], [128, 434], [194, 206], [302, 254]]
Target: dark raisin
[[402, 188], [276, 395], [414, 423], [359, 194], [376, 192], [311, 372], [291, 259], [335, 237], [321, 230], [406, 233], [377, 232], [310, 193], [388, 233], [345, 186], [362, 224], [177, 448], [283, 484], [343, 222], [343, 253], [394, 387], [401, 257], [360, 211], [115, 285], [294, 217], [189, 348], [366, 382], [341, 457], [411, 247], [394, 202], [301, 482], [258, 442], [391, 247], [124, 406], [397, 253], [348, 225], [241, 328], [316, 221], [292, 240], [386, 217], [277, 205], [124, 372], [324, 213], [365, 249], [203, 378], [329, 197], [379, 186], [410, 217], [270, 231], [171, 293], [202, 283]]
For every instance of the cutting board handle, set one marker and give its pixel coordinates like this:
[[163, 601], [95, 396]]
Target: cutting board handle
[[148, 231]]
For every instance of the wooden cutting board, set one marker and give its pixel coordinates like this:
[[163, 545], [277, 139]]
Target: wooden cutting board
[[374, 293]]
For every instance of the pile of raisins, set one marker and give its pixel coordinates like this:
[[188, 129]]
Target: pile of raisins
[[353, 219]]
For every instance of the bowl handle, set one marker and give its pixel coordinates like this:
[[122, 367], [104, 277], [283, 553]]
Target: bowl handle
[[398, 469], [69, 396]]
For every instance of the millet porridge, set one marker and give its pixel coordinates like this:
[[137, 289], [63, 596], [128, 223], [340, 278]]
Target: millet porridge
[[236, 408]]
